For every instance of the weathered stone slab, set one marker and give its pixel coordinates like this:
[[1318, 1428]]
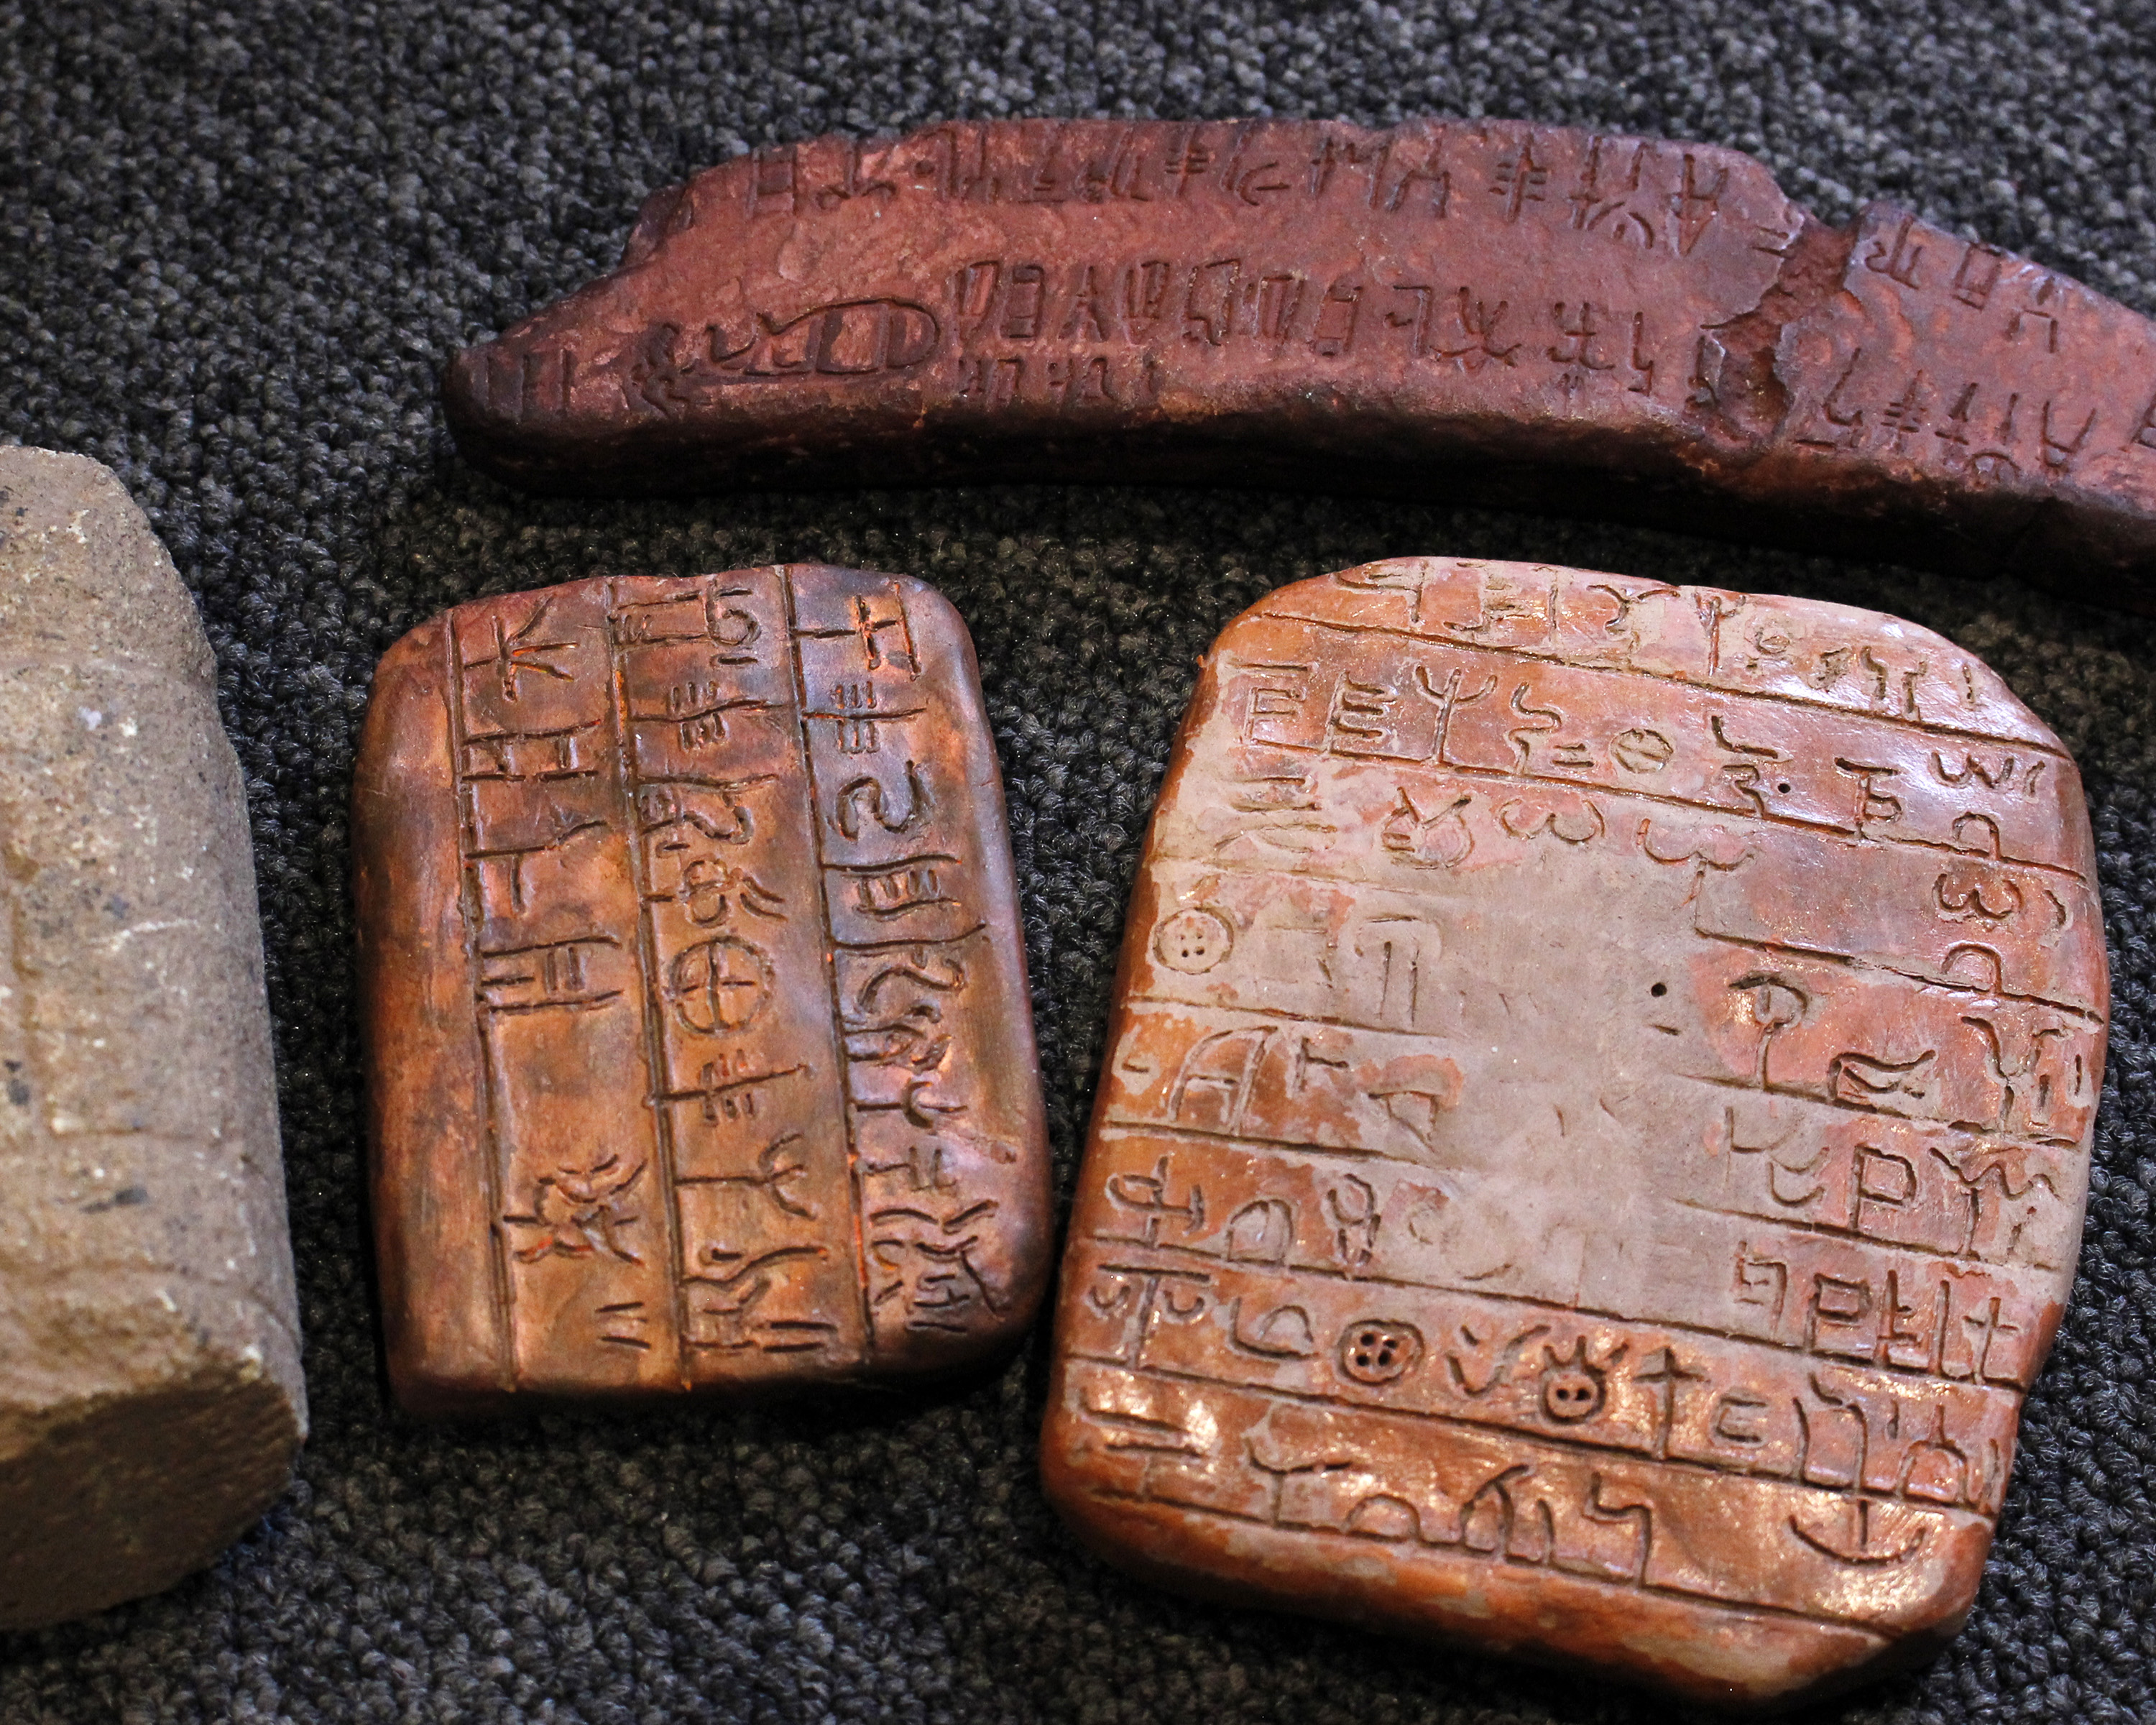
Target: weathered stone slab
[[151, 1400], [1591, 1151], [1503, 312], [699, 1051]]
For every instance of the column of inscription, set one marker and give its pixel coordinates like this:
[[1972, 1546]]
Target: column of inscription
[[906, 903], [580, 1238], [747, 1068]]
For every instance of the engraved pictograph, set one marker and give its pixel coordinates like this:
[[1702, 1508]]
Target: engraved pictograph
[[750, 1053], [1634, 1132]]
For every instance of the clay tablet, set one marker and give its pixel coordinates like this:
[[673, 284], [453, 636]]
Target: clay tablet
[[699, 1051], [1514, 312], [151, 1400], [1592, 1141]]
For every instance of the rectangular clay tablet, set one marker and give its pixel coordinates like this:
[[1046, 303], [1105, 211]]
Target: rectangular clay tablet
[[1591, 1151], [699, 1050]]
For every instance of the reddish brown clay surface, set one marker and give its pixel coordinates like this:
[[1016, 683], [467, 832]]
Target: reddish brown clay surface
[[1592, 1146], [1553, 316], [699, 1050]]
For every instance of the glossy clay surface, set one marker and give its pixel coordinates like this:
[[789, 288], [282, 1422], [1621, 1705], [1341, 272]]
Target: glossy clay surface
[[699, 1050], [1592, 1148], [1501, 312]]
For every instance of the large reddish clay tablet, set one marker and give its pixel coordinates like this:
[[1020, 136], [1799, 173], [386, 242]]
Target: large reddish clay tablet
[[1591, 1145], [1577, 319], [699, 1054]]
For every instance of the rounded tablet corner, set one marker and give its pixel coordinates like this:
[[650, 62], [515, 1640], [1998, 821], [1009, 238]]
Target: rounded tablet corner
[[432, 1395]]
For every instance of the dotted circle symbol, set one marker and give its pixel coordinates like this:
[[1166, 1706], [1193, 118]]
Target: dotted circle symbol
[[1193, 942], [1379, 1350]]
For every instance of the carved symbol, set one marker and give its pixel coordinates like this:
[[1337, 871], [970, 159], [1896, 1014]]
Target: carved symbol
[[1776, 1002], [662, 806], [1478, 321], [1849, 421], [914, 1038], [580, 1209], [1193, 942], [1440, 840], [1869, 1082], [710, 889], [778, 1170], [1574, 819], [856, 338], [1500, 1369], [729, 1088], [946, 1284], [2036, 1109], [1711, 847], [1898, 260], [621, 1312], [920, 965], [719, 986], [1415, 1089], [518, 655], [562, 825], [1761, 1280], [1805, 1188], [1148, 1194], [1696, 205], [1641, 1516], [1137, 1431], [1282, 1333], [1375, 1350], [747, 1281], [2000, 1183], [1574, 1385], [700, 713], [1221, 1065], [1972, 894], [554, 974], [1873, 804], [1353, 1206], [1261, 1232], [1979, 274], [911, 884], [1669, 1375], [868, 792], [1641, 750], [858, 718], [1858, 1542], [1520, 180]]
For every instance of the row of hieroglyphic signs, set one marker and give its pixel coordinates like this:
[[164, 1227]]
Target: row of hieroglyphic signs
[[732, 889], [1090, 266], [1114, 262], [1604, 1081]]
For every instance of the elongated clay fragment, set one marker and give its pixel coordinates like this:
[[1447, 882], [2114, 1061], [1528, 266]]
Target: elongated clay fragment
[[699, 1053], [1591, 1150], [1487, 311], [151, 1400]]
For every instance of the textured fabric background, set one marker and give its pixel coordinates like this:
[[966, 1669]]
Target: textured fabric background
[[235, 246]]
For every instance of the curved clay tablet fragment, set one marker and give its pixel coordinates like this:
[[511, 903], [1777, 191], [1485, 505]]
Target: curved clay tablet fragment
[[151, 1400], [1592, 1146], [1495, 311], [699, 1050]]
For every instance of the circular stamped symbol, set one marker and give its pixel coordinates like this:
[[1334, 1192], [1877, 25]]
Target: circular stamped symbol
[[1193, 942], [1573, 1386], [1377, 1350], [719, 986]]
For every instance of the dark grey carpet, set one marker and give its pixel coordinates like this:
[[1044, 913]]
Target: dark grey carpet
[[234, 246]]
